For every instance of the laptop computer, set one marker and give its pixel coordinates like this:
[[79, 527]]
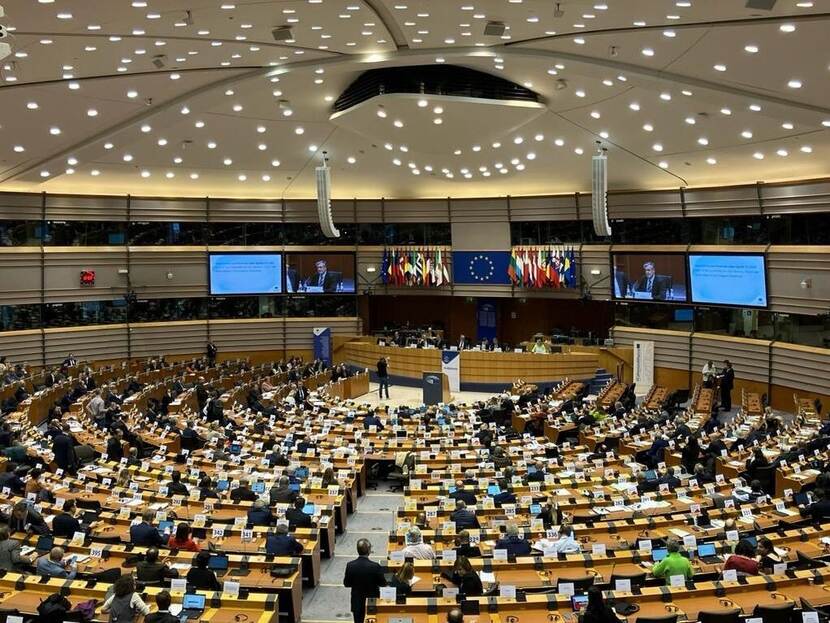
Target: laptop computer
[[301, 473], [192, 606], [707, 552], [308, 509], [222, 485], [165, 526], [235, 448], [218, 563], [258, 487], [579, 602], [493, 490], [659, 554], [45, 543], [294, 487]]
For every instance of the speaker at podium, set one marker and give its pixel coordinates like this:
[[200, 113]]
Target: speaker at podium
[[436, 388]]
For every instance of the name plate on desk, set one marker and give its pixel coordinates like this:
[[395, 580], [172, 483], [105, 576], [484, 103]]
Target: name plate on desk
[[499, 554], [677, 581], [231, 589], [388, 593], [178, 585], [508, 591]]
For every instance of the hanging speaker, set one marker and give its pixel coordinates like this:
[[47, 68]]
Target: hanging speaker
[[324, 200], [599, 196]]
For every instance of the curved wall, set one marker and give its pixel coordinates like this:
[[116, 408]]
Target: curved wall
[[773, 368]]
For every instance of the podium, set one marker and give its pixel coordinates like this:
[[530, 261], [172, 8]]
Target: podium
[[436, 388]]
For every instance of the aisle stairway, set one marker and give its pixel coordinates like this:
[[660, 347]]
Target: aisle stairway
[[601, 378], [373, 519]]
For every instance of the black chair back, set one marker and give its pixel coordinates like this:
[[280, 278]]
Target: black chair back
[[582, 583], [775, 614], [669, 618], [731, 616], [637, 579]]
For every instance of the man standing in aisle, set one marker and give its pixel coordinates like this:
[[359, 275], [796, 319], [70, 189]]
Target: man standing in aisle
[[211, 354], [383, 377], [364, 577], [727, 382]]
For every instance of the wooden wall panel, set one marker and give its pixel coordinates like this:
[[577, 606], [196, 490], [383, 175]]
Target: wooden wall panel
[[796, 198], [479, 210], [369, 211], [21, 206], [787, 266], [230, 211], [416, 211], [750, 358], [149, 267], [343, 211], [671, 348], [85, 208], [86, 343], [595, 257], [301, 211], [244, 335], [730, 201], [167, 338], [63, 270], [19, 275], [801, 367], [22, 346], [177, 210], [658, 204], [551, 208]]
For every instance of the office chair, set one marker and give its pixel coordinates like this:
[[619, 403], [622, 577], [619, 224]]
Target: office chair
[[669, 618], [729, 616], [781, 613], [582, 583], [637, 579]]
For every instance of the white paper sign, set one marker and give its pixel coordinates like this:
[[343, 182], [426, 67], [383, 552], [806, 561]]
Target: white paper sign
[[507, 591], [677, 580]]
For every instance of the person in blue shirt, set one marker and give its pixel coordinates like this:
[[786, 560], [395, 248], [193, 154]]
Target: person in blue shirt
[[282, 544], [513, 543], [260, 514], [53, 565], [372, 419], [144, 533]]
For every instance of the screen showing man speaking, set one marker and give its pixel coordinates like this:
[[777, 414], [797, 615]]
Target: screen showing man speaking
[[317, 273], [733, 279], [245, 273], [649, 277]]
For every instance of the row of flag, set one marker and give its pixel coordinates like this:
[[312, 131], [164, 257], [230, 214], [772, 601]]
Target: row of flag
[[543, 267], [414, 267]]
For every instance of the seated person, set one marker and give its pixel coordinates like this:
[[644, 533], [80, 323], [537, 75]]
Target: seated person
[[65, 524], [743, 560], [54, 566], [505, 496], [10, 557], [767, 558], [463, 546], [144, 533], [513, 543], [464, 518], [162, 615], [281, 543], [181, 539], [152, 570], [465, 578], [465, 495], [673, 564], [175, 486], [372, 419], [282, 493], [567, 543], [260, 514], [243, 493], [296, 517], [202, 578], [415, 546]]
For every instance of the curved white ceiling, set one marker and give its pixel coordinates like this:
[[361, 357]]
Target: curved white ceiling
[[693, 92]]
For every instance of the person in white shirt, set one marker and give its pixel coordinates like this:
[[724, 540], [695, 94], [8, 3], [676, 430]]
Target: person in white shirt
[[567, 544], [415, 546], [709, 371]]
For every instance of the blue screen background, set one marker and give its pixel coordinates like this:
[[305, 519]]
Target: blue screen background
[[244, 273], [728, 279]]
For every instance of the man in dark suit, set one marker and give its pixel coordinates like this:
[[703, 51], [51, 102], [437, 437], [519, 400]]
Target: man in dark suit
[[727, 382], [364, 577], [656, 285], [291, 278], [464, 518], [64, 450], [163, 614], [144, 533], [323, 278], [296, 517], [65, 524]]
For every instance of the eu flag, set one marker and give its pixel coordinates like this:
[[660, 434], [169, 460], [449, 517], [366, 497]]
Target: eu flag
[[481, 267]]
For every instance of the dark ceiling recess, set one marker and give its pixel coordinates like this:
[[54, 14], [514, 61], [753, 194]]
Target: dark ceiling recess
[[764, 5], [429, 80]]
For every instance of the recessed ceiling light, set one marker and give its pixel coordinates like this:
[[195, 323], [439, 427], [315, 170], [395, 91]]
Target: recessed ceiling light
[[806, 149], [539, 137], [145, 174], [657, 147], [752, 49], [755, 107], [787, 28], [690, 120], [438, 121], [146, 128], [299, 130], [381, 113], [422, 103], [108, 146], [161, 142], [579, 151], [95, 173], [595, 114], [132, 94], [725, 111], [703, 141], [719, 67], [397, 123], [746, 134], [711, 160], [787, 125], [758, 155], [666, 97], [647, 52], [54, 130], [32, 105], [670, 34], [634, 106], [262, 147], [648, 127], [44, 174], [194, 176], [794, 84], [127, 157], [559, 142], [663, 164], [518, 140], [227, 162], [19, 149], [579, 93], [438, 110], [783, 153]]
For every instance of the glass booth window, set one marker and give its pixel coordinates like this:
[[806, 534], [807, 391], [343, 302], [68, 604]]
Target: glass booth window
[[21, 233], [19, 317], [86, 233], [84, 313], [155, 234]]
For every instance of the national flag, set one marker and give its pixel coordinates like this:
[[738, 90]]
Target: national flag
[[541, 279], [511, 268], [571, 265], [384, 268], [445, 273]]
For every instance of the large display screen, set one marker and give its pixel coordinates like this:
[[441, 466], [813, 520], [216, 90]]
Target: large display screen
[[320, 273], [245, 273], [649, 276], [728, 279]]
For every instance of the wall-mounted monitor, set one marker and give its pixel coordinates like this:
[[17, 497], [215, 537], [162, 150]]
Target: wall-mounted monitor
[[245, 273], [738, 279], [320, 273], [649, 277]]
